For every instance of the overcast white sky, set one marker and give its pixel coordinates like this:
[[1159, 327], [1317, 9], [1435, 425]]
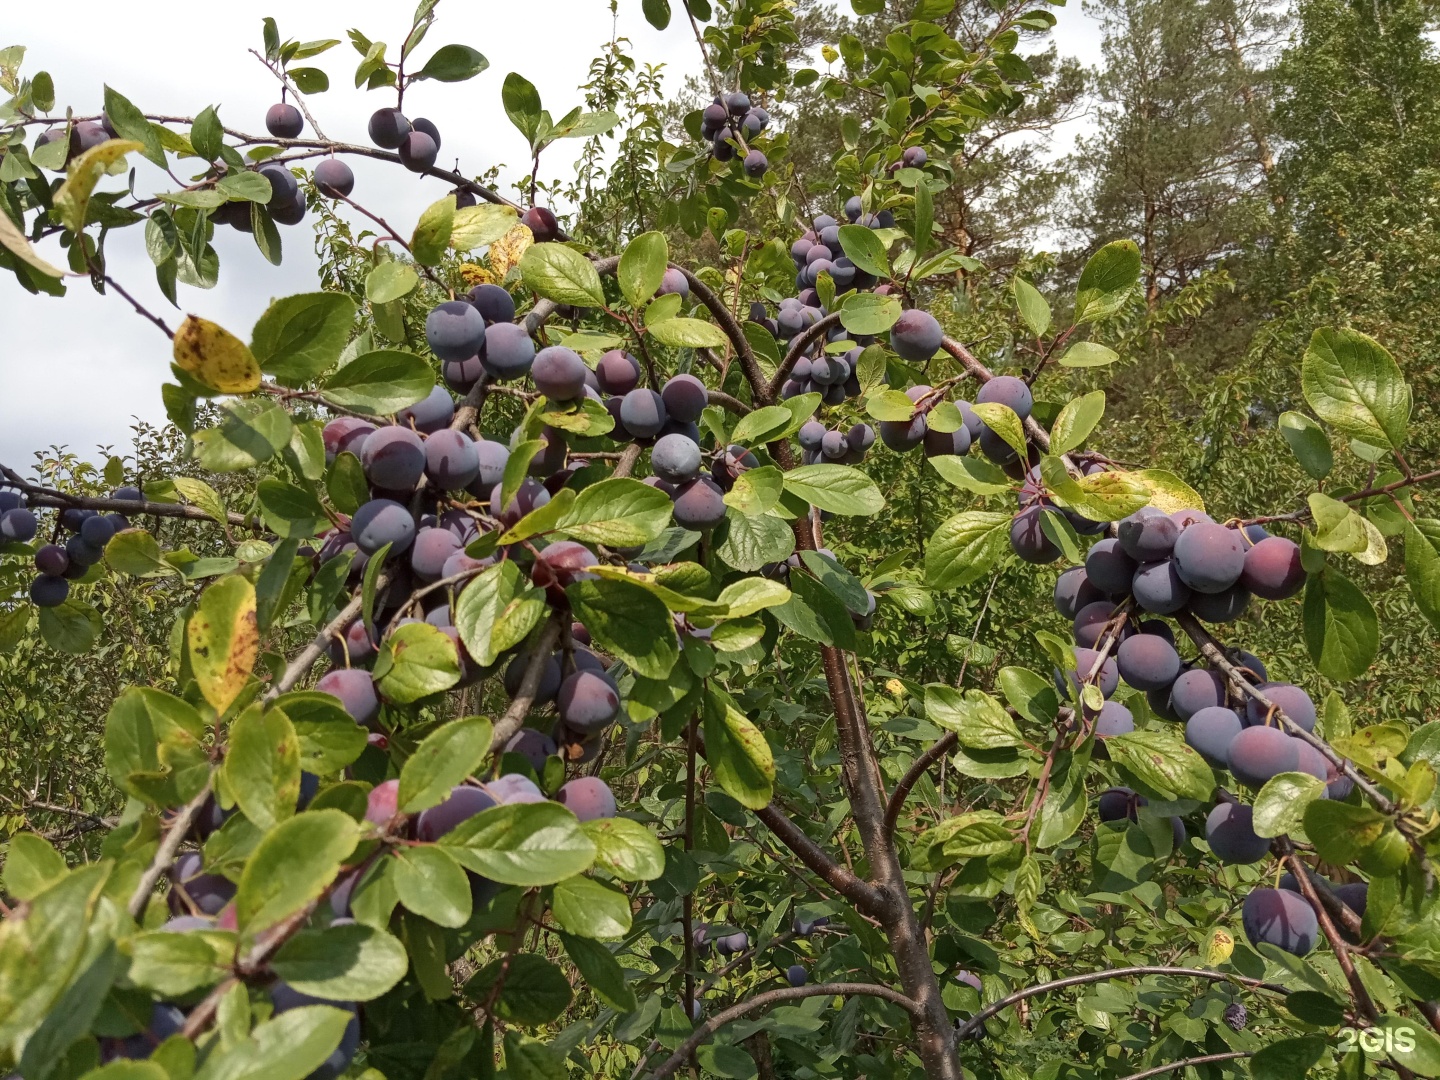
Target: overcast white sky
[[77, 370]]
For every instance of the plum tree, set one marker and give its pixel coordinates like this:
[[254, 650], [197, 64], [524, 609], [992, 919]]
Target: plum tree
[[1073, 591], [380, 522], [1211, 730], [452, 462], [675, 458], [1294, 702], [559, 373], [1108, 568], [1230, 833], [916, 335], [1009, 391], [684, 397], [1147, 662], [588, 797], [394, 458], [631, 714], [618, 372], [1208, 557], [355, 691], [1280, 918], [1196, 689], [1158, 589], [1259, 753], [1113, 719]]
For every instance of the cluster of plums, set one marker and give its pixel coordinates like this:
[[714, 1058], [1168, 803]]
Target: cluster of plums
[[84, 135], [729, 122], [843, 447], [57, 565], [1185, 561]]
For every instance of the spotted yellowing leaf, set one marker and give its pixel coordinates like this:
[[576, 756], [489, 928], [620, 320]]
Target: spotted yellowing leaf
[[216, 357]]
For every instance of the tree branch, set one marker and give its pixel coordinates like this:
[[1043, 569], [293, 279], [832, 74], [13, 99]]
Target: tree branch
[[43, 496], [165, 853], [1204, 1059], [524, 698], [798, 344], [775, 997], [860, 893], [918, 768], [968, 1026], [759, 390]]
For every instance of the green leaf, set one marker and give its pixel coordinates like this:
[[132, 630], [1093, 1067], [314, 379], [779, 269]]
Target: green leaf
[[250, 433], [135, 552], [292, 865], [525, 844], [836, 488], [481, 224], [737, 752], [32, 866], [1340, 831], [432, 231], [749, 595], [866, 313], [1107, 280], [1004, 421], [657, 13], [390, 281], [1355, 386], [688, 334], [522, 106], [751, 542], [589, 908], [152, 746], [642, 266], [976, 718], [532, 990], [345, 483], [452, 63], [415, 661], [445, 758], [290, 511], [1342, 631], [561, 274], [889, 405], [1162, 763], [380, 382], [246, 187], [328, 738], [1308, 442], [1411, 1044], [629, 622], [756, 491], [600, 972], [1167, 491], [762, 425], [129, 123], [1287, 1058], [1076, 421], [496, 611], [72, 627], [865, 249], [1085, 354], [262, 765], [1280, 804], [175, 964], [431, 883], [1030, 694], [965, 547], [618, 512], [342, 963], [1422, 566], [971, 473], [625, 849], [1034, 309], [292, 1045]]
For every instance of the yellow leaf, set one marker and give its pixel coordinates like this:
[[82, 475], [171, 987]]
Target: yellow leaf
[[215, 356], [505, 253], [84, 173], [473, 274], [1219, 947], [17, 242], [224, 640]]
